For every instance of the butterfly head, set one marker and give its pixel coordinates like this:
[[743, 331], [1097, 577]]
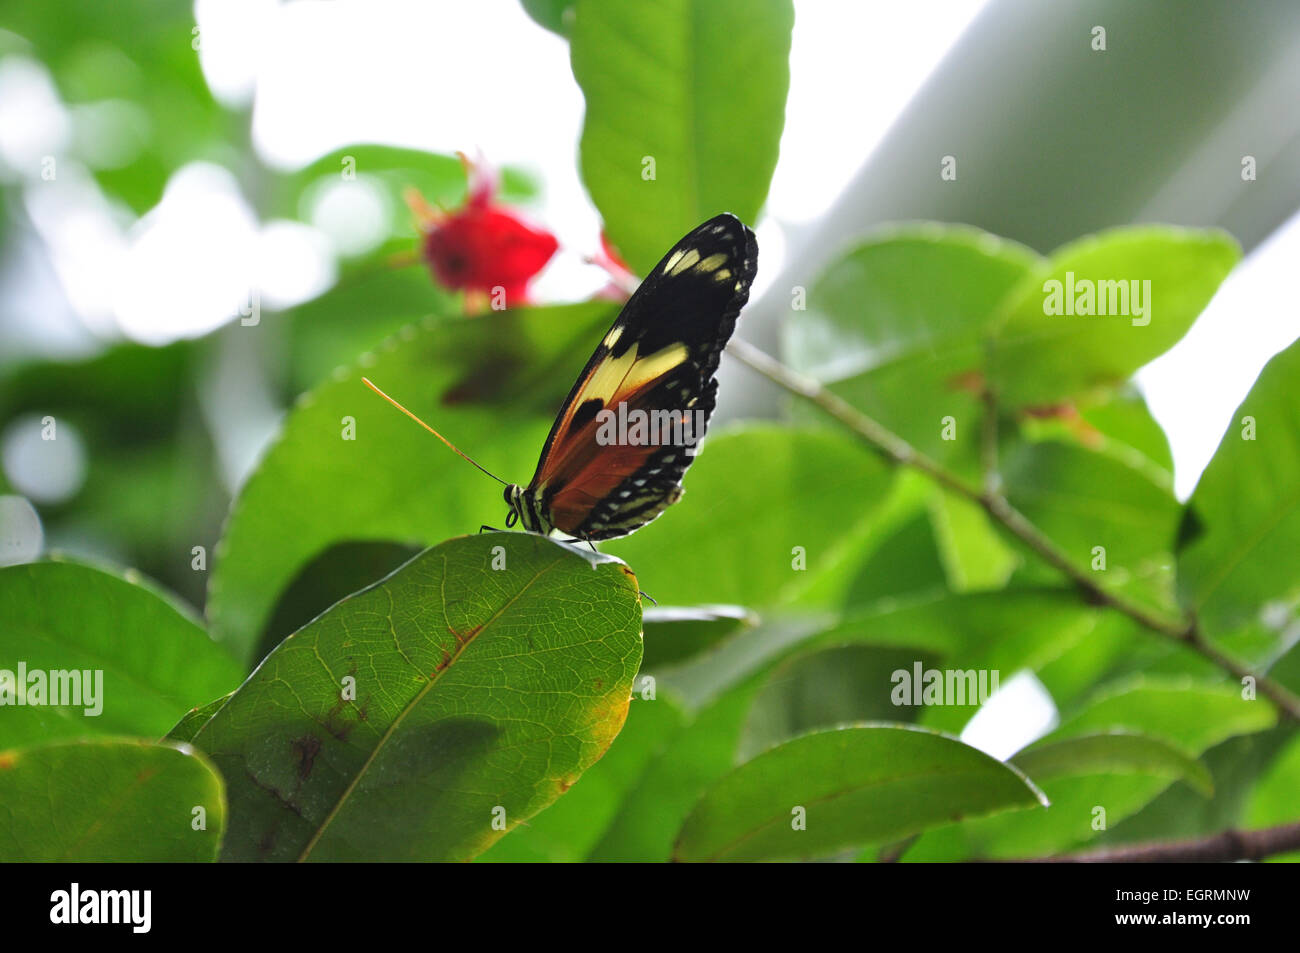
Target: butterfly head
[[524, 509]]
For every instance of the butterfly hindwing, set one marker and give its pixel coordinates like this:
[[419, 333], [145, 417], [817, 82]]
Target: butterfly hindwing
[[659, 357]]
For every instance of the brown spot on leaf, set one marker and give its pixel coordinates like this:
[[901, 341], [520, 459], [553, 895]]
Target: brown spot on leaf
[[306, 748], [971, 382], [7, 760], [463, 637]]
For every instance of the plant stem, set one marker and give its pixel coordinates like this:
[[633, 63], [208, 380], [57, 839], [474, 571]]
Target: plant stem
[[1223, 846], [899, 452]]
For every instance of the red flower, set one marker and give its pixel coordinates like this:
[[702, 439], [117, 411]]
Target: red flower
[[482, 246]]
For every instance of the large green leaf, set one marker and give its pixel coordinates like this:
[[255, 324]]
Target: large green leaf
[[858, 785], [341, 570], [1084, 500], [1116, 751], [1190, 716], [109, 799], [568, 829], [674, 634], [488, 674], [698, 86], [155, 660], [752, 518], [1238, 541], [490, 384], [652, 810], [896, 327], [1273, 800], [1046, 358], [194, 719], [825, 687], [995, 631], [370, 303]]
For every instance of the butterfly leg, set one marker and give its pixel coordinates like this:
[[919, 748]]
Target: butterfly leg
[[492, 528]]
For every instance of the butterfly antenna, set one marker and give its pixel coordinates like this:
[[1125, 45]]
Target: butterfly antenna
[[451, 445]]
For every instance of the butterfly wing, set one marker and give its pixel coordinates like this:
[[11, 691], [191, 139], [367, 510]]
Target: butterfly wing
[[659, 358]]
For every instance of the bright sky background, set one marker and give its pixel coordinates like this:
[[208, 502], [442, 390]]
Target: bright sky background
[[430, 75]]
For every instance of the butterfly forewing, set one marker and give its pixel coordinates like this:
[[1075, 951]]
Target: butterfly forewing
[[599, 476]]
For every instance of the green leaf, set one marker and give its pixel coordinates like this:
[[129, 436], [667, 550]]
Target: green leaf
[[676, 633], [825, 687], [1120, 426], [1045, 358], [338, 572], [567, 830], [554, 15], [697, 86], [400, 724], [369, 305], [1190, 716], [767, 513], [974, 555], [154, 658], [858, 785], [109, 800], [1241, 532], [896, 327], [1119, 752], [652, 811], [1083, 500], [999, 631], [194, 719], [492, 385], [1179, 812], [1273, 800]]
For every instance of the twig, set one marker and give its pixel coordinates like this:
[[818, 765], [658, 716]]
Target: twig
[[899, 452], [1224, 846]]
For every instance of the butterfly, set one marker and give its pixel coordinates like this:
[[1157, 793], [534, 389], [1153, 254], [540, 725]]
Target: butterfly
[[629, 429]]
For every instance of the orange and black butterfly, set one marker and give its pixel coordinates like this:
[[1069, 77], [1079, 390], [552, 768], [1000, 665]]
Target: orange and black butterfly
[[628, 430]]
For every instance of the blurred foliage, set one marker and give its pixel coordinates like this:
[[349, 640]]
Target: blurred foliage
[[798, 577]]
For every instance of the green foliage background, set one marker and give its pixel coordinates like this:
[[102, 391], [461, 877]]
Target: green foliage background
[[366, 682]]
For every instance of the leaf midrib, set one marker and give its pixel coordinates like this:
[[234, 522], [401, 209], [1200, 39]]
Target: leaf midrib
[[419, 696]]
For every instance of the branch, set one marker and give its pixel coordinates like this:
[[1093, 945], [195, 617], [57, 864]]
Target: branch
[[899, 452], [1224, 846]]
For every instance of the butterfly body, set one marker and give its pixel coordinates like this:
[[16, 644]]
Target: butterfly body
[[600, 477]]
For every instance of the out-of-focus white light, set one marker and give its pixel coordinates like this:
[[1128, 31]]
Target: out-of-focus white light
[[191, 260], [34, 126], [231, 45], [354, 215], [1020, 712], [21, 536], [44, 458], [84, 236], [294, 263], [1193, 388]]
